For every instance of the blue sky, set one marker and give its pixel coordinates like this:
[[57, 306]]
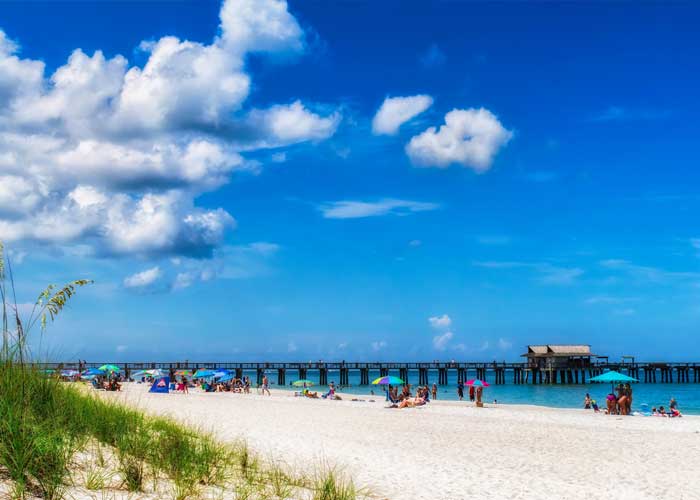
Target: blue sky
[[353, 180]]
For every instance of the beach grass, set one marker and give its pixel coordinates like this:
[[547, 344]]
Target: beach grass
[[44, 423]]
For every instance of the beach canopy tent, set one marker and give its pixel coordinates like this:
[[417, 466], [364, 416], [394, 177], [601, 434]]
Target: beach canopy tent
[[161, 385]]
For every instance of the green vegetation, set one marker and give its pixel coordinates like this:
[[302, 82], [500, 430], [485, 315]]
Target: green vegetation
[[45, 424]]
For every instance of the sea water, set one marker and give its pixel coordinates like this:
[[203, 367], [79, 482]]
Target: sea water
[[559, 396]]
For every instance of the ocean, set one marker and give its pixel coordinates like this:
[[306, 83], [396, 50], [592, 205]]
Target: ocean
[[558, 396]]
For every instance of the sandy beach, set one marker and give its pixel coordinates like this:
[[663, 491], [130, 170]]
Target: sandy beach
[[450, 450]]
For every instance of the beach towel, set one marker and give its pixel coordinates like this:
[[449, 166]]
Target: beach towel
[[161, 385]]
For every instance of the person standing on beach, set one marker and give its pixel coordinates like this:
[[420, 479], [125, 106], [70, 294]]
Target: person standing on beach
[[434, 391], [460, 391], [265, 386], [471, 393]]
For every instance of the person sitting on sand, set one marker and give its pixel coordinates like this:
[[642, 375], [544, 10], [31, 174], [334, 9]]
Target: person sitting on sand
[[331, 391], [611, 401], [309, 394], [662, 411], [587, 402], [594, 405]]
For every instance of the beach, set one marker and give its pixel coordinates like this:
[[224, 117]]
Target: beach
[[451, 450]]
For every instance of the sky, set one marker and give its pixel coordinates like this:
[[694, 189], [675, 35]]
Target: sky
[[262, 180]]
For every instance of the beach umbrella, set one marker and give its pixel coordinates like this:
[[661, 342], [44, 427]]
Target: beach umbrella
[[613, 378], [221, 373], [92, 372], [183, 372], [69, 373], [110, 368], [477, 383], [226, 378], [303, 383], [204, 373], [388, 380]]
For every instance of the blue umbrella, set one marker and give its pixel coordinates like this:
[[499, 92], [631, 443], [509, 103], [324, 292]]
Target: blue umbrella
[[204, 373], [613, 378], [93, 372], [226, 378]]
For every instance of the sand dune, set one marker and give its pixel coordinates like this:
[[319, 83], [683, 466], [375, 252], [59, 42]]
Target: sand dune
[[450, 450]]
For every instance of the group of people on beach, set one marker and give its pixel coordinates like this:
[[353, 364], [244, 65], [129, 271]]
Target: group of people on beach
[[621, 404], [405, 399]]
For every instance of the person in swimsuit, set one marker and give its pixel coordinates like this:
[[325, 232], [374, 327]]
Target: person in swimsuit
[[587, 402], [460, 391], [434, 391], [265, 386]]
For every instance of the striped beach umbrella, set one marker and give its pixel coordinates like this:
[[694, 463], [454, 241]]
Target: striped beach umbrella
[[388, 380]]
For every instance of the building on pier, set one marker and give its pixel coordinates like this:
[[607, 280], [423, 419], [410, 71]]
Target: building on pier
[[558, 356]]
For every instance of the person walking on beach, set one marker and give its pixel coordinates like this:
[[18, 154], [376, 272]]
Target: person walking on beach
[[472, 396], [460, 391], [185, 390], [434, 391], [265, 386]]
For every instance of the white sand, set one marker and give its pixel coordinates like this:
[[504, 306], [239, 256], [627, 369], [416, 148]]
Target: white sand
[[450, 450]]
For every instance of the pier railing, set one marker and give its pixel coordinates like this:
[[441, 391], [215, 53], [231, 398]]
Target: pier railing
[[496, 372]]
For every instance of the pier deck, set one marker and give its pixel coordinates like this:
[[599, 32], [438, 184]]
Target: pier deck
[[494, 372]]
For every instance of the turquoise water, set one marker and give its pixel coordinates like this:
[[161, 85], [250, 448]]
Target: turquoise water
[[559, 396]]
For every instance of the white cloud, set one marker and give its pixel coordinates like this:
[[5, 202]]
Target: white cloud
[[440, 341], [395, 111], [113, 156], [289, 124], [348, 209], [279, 157], [378, 345], [504, 344], [143, 279], [439, 322], [122, 348], [469, 137]]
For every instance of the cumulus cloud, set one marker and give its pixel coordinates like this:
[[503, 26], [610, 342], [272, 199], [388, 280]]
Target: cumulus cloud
[[143, 279], [395, 111], [439, 322], [114, 155], [441, 341], [469, 137], [349, 209]]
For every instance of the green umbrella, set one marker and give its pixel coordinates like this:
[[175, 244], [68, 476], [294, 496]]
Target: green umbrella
[[302, 383], [109, 368]]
